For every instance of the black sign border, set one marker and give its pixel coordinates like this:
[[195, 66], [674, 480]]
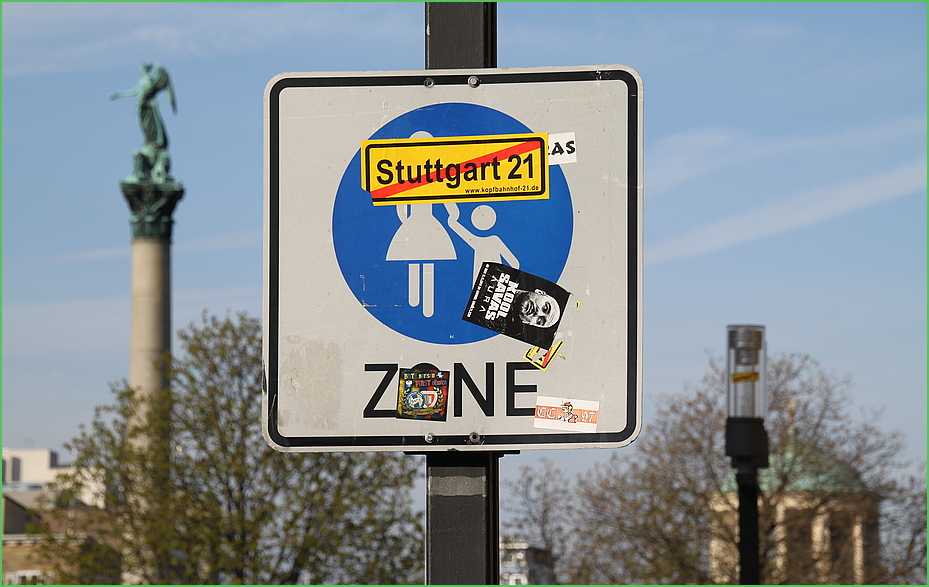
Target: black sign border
[[418, 442]]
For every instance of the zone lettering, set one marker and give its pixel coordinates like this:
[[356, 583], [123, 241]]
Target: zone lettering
[[461, 379]]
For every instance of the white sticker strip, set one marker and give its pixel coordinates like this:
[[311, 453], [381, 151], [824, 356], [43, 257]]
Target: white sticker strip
[[562, 148], [573, 415]]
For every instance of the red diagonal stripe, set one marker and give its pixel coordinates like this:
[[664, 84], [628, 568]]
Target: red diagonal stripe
[[502, 154]]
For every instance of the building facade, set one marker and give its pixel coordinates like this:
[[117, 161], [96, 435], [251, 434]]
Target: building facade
[[28, 501], [522, 564], [823, 521]]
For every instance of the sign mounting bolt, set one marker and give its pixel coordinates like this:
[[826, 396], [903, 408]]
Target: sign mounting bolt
[[429, 82], [473, 81]]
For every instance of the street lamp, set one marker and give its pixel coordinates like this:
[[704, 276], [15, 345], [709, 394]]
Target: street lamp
[[746, 439]]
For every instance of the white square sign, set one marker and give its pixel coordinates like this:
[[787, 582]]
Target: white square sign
[[453, 259]]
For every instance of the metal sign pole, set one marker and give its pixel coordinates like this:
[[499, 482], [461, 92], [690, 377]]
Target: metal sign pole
[[462, 526], [461, 35], [462, 488]]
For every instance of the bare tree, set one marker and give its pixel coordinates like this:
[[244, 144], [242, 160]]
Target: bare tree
[[837, 506], [543, 516]]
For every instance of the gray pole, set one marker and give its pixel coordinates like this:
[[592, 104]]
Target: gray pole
[[749, 563], [462, 488], [461, 35], [462, 525]]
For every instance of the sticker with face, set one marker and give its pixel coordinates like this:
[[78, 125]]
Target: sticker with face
[[516, 304]]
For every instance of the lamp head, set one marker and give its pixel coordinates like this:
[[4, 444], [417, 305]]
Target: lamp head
[[746, 377]]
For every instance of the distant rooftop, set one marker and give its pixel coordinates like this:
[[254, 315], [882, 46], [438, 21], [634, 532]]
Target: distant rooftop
[[806, 468]]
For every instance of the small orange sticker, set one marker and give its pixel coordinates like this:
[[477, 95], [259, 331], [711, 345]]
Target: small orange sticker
[[566, 414]]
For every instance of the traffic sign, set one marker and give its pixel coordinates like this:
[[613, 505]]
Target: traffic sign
[[453, 259]]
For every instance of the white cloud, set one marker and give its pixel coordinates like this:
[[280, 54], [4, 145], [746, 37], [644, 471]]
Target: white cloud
[[71, 327], [677, 159], [221, 243], [46, 38], [802, 209], [99, 326], [75, 257], [224, 242], [680, 158], [190, 304]]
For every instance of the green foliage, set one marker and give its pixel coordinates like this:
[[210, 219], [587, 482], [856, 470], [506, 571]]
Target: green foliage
[[214, 504]]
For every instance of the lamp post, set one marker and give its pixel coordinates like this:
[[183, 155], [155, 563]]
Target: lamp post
[[746, 439]]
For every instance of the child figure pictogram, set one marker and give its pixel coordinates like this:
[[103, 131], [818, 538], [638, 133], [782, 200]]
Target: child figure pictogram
[[490, 248]]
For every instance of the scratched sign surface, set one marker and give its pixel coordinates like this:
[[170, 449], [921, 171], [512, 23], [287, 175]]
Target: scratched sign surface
[[450, 266]]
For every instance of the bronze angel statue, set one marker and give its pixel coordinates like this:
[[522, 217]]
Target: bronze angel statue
[[151, 161]]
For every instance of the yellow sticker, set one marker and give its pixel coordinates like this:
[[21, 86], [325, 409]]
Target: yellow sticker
[[745, 377], [541, 357], [488, 168]]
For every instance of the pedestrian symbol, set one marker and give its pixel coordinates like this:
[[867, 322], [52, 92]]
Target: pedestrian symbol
[[412, 266]]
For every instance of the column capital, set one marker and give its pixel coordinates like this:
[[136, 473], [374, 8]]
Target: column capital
[[152, 204]]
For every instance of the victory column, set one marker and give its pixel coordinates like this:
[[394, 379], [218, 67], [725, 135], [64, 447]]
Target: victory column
[[152, 195]]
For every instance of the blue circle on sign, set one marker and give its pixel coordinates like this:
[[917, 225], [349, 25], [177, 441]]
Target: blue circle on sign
[[412, 266]]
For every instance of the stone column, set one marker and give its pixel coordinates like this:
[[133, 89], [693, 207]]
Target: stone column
[[152, 194], [150, 335], [152, 206]]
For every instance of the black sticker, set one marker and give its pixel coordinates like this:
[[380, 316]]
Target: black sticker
[[516, 304]]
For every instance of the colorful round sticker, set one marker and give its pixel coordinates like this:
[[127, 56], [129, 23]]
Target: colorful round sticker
[[413, 267]]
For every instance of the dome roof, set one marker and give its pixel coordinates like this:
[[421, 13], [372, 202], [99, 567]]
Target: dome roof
[[804, 468]]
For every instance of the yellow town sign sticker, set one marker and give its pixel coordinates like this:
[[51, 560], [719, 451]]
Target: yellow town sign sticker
[[455, 169]]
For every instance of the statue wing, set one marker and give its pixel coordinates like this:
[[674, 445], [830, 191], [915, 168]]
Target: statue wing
[[169, 90]]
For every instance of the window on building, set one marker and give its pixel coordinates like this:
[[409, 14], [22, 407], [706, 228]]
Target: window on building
[[799, 562], [31, 577], [842, 547]]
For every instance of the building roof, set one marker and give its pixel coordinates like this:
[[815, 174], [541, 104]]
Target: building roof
[[29, 499], [805, 468]]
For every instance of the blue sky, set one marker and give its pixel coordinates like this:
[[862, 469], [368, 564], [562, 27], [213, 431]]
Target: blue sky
[[785, 178]]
